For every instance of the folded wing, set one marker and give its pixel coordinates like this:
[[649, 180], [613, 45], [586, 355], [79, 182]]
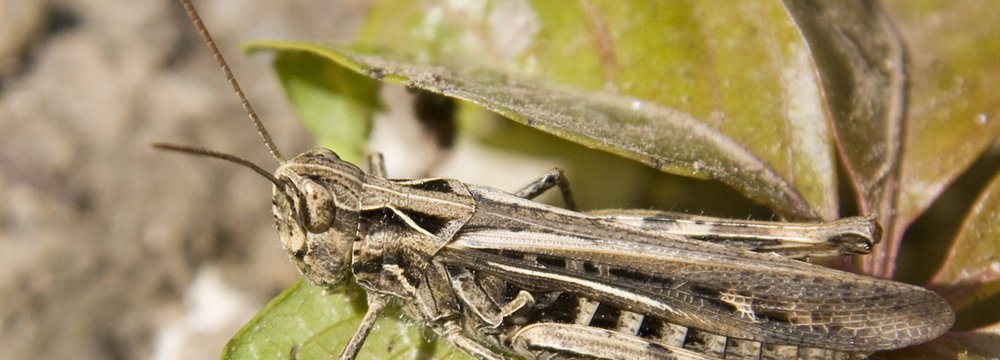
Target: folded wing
[[741, 294]]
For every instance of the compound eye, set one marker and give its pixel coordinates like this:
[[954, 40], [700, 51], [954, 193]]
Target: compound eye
[[317, 207]]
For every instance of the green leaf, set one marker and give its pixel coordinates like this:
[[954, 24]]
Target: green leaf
[[860, 57], [337, 105], [661, 137], [953, 103], [760, 90], [971, 271], [308, 322]]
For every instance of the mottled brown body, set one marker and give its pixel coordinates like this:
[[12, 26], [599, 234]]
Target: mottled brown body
[[533, 280]]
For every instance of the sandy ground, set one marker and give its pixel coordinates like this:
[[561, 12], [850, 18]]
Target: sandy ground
[[108, 249]]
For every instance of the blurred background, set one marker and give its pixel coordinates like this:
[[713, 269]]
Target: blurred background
[[108, 249]]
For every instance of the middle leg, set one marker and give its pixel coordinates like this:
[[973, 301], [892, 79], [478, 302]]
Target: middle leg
[[551, 178]]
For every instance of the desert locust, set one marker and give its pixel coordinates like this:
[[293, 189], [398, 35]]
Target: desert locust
[[498, 275]]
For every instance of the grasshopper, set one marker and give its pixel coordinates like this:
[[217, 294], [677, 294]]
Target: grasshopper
[[499, 275]]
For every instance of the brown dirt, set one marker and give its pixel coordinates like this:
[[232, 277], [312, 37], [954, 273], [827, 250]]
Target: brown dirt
[[100, 236]]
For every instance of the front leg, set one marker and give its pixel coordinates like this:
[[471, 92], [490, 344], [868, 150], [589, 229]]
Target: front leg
[[432, 300], [551, 178]]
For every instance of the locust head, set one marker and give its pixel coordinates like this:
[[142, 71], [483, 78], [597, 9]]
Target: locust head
[[316, 207], [315, 196], [316, 204]]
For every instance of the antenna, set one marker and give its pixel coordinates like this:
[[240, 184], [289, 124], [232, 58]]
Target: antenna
[[220, 155], [203, 31]]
